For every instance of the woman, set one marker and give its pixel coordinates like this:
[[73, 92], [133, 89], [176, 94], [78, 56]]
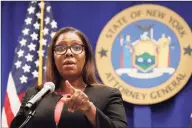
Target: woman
[[78, 101]]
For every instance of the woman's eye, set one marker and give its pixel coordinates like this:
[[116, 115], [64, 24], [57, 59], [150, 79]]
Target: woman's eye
[[77, 47]]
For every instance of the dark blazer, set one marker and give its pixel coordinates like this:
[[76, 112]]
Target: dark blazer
[[110, 112]]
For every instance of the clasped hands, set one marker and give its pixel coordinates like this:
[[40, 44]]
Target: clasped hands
[[76, 99]]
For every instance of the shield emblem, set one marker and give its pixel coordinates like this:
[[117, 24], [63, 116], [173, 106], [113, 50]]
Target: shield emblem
[[145, 55]]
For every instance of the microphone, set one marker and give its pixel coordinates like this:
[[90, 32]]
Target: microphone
[[48, 87]]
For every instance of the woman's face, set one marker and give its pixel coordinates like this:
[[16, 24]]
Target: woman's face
[[71, 60]]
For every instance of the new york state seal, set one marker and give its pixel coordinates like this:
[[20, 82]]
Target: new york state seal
[[146, 52]]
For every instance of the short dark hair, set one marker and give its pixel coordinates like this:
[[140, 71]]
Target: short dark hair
[[88, 73]]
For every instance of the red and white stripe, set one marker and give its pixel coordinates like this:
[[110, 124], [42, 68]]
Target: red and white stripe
[[12, 103]]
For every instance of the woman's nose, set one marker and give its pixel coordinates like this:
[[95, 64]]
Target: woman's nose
[[68, 52]]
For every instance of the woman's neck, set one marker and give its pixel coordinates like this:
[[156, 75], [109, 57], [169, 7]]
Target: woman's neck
[[76, 83]]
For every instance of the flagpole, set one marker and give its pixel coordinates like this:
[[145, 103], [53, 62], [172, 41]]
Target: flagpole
[[40, 45]]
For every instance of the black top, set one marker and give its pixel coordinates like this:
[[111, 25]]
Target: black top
[[110, 112]]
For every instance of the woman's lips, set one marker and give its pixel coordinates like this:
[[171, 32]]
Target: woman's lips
[[68, 64]]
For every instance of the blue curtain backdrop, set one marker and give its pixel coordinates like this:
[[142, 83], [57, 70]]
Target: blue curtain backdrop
[[91, 17]]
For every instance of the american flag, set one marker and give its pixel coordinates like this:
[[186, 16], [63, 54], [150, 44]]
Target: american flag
[[24, 72]]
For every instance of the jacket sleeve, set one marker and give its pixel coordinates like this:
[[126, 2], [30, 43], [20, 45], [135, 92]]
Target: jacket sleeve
[[22, 113], [114, 115]]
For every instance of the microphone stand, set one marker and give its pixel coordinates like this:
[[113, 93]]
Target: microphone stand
[[31, 113]]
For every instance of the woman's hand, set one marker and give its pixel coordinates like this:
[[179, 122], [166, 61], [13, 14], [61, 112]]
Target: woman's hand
[[76, 99]]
